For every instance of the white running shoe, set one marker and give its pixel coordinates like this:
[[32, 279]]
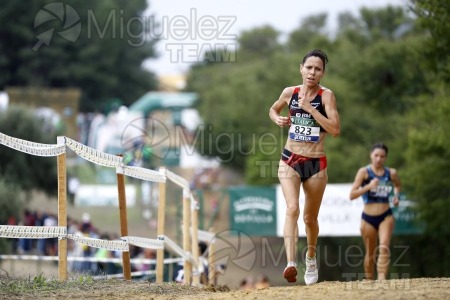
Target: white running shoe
[[311, 272]]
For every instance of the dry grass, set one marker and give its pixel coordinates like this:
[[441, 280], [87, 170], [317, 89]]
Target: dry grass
[[82, 287]]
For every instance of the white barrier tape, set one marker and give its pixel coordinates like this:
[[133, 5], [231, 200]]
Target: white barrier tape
[[144, 174], [118, 245], [177, 179], [41, 232], [144, 242], [92, 155], [88, 259], [34, 232], [171, 245], [31, 147], [9, 139]]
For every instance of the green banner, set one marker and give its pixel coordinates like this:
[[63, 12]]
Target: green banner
[[253, 210], [406, 218]]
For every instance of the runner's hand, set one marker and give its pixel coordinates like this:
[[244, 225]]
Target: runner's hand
[[373, 183], [282, 121], [396, 201]]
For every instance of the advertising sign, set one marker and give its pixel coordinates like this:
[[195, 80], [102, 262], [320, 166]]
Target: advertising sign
[[253, 210]]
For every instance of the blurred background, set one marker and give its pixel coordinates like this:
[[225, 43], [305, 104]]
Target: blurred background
[[182, 86]]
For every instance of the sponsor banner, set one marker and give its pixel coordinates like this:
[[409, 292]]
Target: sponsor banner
[[407, 218], [253, 210]]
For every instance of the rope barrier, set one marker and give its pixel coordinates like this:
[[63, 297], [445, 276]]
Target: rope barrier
[[88, 259], [32, 148], [183, 183], [35, 232], [118, 245], [171, 245], [92, 155], [144, 242], [141, 173]]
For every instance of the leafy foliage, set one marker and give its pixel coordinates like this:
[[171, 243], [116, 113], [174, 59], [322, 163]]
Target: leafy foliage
[[23, 170], [12, 205], [310, 32], [427, 174], [433, 16], [427, 155], [258, 42], [104, 61]]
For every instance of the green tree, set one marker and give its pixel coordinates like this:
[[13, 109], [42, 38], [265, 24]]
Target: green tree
[[428, 147], [427, 174], [25, 171], [384, 62], [389, 23], [11, 206], [258, 42], [98, 46], [376, 78], [12, 201], [427, 152], [433, 16], [389, 75], [312, 31]]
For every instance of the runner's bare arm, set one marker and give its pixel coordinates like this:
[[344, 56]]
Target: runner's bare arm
[[397, 185], [356, 190], [331, 123], [278, 105]]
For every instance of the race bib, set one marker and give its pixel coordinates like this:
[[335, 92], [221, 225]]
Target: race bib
[[383, 189], [304, 130]]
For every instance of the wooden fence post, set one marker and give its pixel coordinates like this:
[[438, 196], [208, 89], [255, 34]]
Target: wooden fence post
[[160, 229], [186, 235], [62, 211], [195, 246], [211, 261], [123, 221]]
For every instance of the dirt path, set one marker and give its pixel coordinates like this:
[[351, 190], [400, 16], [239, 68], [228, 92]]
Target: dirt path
[[419, 288]]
